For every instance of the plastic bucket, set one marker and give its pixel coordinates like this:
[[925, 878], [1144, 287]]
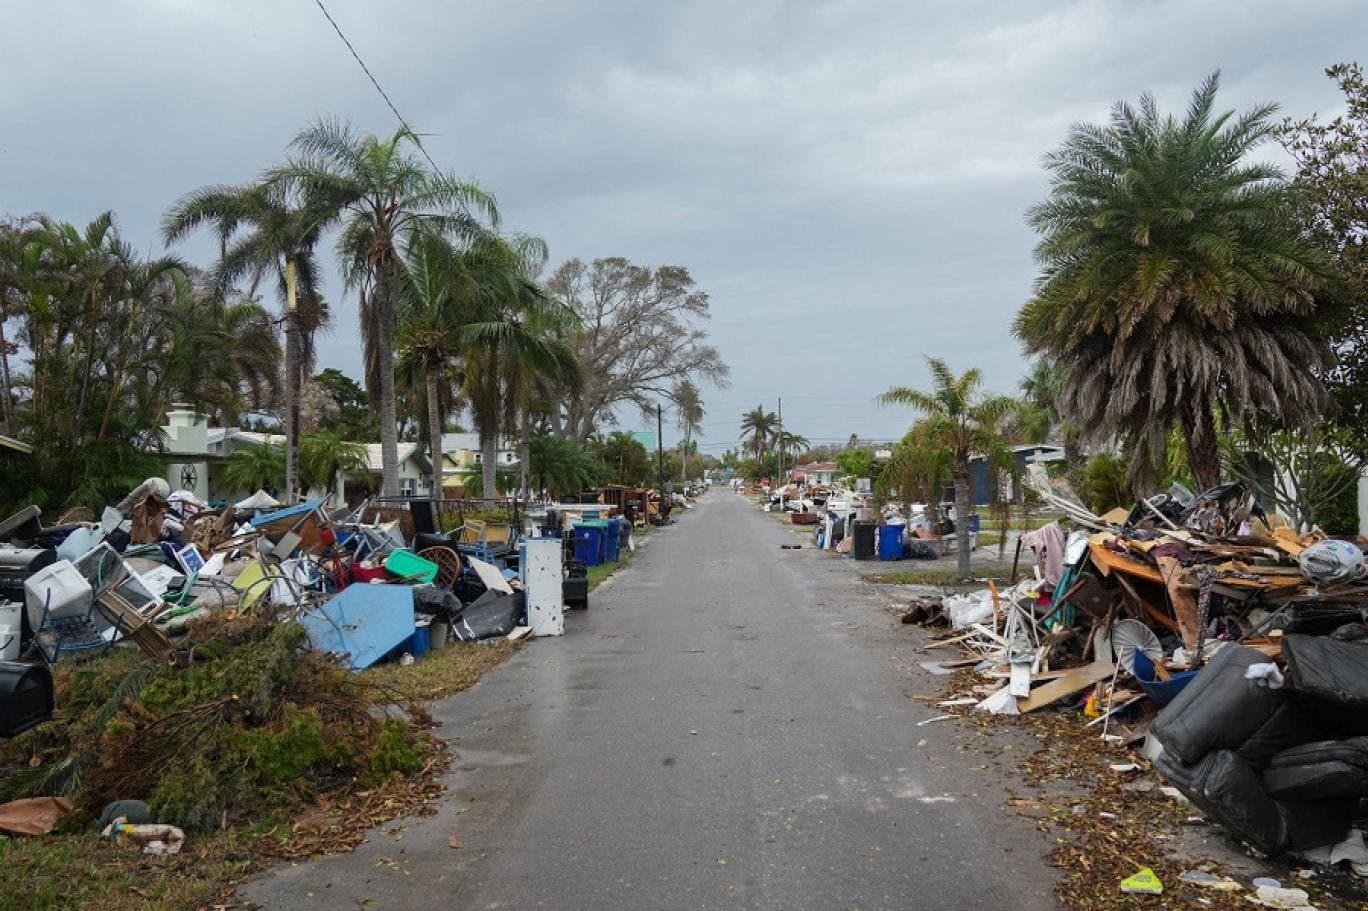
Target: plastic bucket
[[891, 542], [417, 644]]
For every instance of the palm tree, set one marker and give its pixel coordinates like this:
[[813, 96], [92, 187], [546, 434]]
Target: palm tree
[[264, 229], [789, 442], [760, 425], [962, 421], [254, 466], [1174, 281], [512, 339], [382, 193], [325, 455], [432, 307], [689, 409], [224, 359]]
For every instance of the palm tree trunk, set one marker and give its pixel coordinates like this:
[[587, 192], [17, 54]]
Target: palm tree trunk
[[489, 457], [525, 459], [684, 461], [1203, 455], [384, 352], [434, 417], [291, 384], [962, 518]]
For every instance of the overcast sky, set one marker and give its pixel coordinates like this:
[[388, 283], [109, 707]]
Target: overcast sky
[[845, 179]]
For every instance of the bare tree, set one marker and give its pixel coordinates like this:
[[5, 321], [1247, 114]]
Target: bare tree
[[639, 337]]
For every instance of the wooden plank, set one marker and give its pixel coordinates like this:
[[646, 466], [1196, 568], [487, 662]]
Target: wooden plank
[[1183, 600], [1074, 680], [1109, 561]]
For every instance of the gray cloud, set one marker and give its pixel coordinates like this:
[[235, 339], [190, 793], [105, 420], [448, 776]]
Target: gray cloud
[[847, 179]]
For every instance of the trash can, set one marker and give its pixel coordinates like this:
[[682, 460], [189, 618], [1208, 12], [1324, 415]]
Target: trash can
[[614, 540], [973, 521], [891, 542], [603, 529], [588, 543], [863, 548]]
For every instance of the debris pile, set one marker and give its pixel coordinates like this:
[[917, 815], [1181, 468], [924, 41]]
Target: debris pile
[[230, 634], [1232, 646]]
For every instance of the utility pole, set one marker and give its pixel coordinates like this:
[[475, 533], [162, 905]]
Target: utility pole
[[782, 485], [660, 451]]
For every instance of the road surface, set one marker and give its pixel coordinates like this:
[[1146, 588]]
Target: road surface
[[727, 727]]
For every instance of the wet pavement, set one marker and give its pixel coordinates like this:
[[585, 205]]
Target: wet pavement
[[727, 727]]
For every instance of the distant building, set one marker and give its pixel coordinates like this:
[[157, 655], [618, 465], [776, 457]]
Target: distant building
[[462, 460], [817, 473], [983, 482]]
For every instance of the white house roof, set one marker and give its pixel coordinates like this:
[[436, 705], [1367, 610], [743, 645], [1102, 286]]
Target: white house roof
[[374, 460]]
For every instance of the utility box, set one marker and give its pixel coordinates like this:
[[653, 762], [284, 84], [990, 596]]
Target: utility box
[[542, 579]]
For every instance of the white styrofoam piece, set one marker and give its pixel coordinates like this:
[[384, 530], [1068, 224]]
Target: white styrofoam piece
[[489, 574], [542, 578]]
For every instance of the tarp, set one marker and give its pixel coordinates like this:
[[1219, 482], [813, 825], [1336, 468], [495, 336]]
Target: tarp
[[259, 500]]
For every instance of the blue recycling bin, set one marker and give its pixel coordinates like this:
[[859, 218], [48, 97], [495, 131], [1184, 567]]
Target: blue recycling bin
[[588, 544], [614, 540], [974, 523], [891, 542]]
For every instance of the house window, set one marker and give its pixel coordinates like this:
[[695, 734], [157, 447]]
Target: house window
[[478, 455], [508, 457], [408, 486]]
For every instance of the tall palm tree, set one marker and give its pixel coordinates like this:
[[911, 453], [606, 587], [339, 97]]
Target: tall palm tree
[[264, 229], [760, 425], [962, 421], [512, 339], [1174, 281], [689, 409], [433, 305], [382, 194]]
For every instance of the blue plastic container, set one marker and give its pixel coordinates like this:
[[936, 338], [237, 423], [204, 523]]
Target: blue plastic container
[[419, 642], [891, 542], [974, 522], [588, 544], [614, 540]]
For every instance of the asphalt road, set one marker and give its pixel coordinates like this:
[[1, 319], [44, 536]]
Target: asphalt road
[[727, 727]]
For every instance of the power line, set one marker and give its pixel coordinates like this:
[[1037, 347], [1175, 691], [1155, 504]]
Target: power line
[[371, 76]]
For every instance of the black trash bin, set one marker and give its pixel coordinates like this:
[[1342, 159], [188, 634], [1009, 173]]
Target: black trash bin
[[865, 534]]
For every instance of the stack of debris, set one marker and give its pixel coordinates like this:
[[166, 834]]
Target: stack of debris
[[1234, 645], [366, 584]]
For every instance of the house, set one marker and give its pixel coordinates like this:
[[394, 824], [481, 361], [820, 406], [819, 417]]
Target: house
[[462, 459], [817, 473], [983, 483], [197, 453]]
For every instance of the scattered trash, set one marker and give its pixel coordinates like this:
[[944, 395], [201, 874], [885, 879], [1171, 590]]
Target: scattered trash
[[1142, 882], [154, 839], [1278, 897], [931, 720], [1211, 881], [33, 815]]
